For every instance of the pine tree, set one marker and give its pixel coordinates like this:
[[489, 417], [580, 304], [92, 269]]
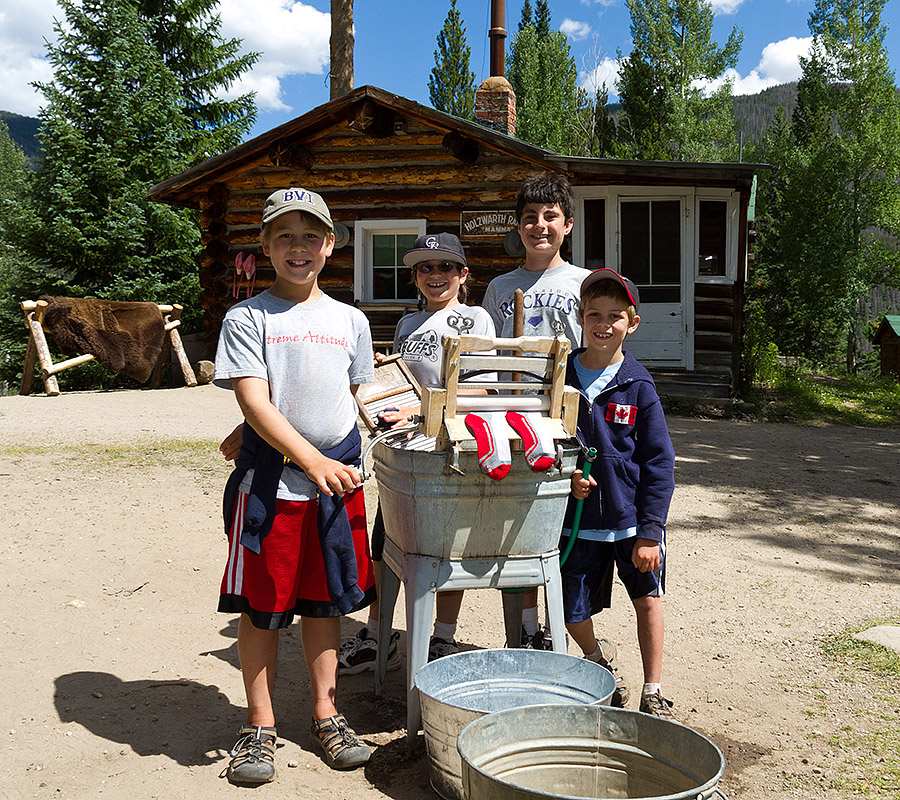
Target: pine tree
[[550, 106], [542, 19], [526, 18], [114, 124], [14, 180], [673, 38], [838, 198], [187, 34], [451, 86], [644, 122]]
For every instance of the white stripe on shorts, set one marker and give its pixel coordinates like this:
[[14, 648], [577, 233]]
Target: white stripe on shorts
[[234, 574]]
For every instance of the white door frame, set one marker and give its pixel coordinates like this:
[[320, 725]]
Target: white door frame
[[613, 196]]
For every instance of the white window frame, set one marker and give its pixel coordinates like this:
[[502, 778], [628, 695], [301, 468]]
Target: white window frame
[[363, 230], [732, 222]]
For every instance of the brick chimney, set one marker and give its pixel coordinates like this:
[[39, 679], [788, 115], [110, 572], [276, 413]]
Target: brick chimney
[[495, 100], [495, 105]]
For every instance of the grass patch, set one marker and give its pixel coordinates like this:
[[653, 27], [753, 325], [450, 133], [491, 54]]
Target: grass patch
[[875, 753], [792, 394], [873, 658], [195, 454]]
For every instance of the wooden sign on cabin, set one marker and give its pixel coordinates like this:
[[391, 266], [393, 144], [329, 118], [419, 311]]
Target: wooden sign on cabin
[[486, 223]]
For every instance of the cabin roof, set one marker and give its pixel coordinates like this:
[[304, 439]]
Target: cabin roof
[[890, 323], [186, 187]]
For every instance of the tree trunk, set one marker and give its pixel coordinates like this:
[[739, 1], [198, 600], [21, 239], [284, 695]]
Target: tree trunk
[[341, 47]]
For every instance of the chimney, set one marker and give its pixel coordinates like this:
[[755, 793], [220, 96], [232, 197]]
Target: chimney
[[495, 100]]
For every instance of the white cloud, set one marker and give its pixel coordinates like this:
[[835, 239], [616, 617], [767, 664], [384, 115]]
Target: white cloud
[[606, 72], [726, 6], [780, 63], [23, 26], [292, 37], [575, 30]]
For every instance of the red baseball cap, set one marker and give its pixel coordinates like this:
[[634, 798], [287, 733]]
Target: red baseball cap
[[606, 274]]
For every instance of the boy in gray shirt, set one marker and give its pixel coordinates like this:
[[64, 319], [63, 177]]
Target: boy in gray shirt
[[294, 508]]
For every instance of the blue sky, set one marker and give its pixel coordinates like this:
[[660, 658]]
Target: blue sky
[[396, 39]]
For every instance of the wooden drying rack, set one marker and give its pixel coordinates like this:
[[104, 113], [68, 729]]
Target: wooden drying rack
[[40, 352], [444, 409]]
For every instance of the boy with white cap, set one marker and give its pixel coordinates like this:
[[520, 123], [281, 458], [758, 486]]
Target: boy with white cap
[[294, 508]]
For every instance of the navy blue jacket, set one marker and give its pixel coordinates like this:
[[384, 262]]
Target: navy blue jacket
[[335, 535], [635, 466]]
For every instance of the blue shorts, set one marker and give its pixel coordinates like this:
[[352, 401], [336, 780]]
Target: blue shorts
[[587, 576]]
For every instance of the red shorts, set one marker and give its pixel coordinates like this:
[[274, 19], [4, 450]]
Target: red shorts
[[288, 575]]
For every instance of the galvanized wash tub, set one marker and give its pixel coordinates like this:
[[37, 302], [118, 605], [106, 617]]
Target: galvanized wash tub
[[458, 689], [431, 509], [586, 751]]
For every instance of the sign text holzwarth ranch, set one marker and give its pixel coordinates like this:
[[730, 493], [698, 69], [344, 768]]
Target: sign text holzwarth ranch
[[486, 223]]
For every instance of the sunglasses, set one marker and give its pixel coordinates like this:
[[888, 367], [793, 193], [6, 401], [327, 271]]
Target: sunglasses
[[443, 266]]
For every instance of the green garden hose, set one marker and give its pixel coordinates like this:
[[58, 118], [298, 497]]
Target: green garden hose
[[590, 456]]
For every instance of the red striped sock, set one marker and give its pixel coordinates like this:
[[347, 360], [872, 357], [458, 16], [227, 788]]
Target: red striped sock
[[493, 451], [537, 443]]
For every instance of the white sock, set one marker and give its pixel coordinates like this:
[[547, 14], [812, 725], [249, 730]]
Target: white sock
[[445, 631], [650, 688], [596, 655], [372, 628], [530, 620]]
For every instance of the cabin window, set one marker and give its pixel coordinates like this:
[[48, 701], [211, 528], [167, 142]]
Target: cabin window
[[650, 241], [594, 233], [713, 223], [390, 276], [379, 274]]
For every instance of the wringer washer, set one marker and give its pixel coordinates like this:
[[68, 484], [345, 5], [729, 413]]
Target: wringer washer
[[450, 526]]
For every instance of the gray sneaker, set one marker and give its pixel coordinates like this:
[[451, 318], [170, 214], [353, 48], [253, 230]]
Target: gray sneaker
[[357, 653], [252, 757], [338, 742], [438, 648], [657, 705], [541, 640], [609, 659]]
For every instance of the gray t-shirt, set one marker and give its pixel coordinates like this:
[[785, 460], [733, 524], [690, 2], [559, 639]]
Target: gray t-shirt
[[310, 354], [550, 295], [418, 338]]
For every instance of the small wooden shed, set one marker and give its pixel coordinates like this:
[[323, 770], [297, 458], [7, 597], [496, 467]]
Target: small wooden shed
[[391, 169], [888, 338]]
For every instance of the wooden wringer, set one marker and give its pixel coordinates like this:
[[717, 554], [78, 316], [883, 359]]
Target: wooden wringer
[[539, 360]]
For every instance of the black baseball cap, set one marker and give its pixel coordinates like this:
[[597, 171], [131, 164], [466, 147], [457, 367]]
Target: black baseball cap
[[435, 246]]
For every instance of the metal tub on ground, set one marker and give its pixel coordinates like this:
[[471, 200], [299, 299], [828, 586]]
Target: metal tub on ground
[[569, 752], [458, 689]]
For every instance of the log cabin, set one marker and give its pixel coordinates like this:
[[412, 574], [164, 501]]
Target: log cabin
[[391, 169]]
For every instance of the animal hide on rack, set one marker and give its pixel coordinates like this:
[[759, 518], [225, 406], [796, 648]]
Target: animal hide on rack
[[124, 337]]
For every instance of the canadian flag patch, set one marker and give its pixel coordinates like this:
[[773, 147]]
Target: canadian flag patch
[[624, 415]]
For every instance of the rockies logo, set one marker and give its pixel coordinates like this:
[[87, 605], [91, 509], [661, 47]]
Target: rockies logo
[[431, 243]]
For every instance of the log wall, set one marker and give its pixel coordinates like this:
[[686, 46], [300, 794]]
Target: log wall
[[415, 172]]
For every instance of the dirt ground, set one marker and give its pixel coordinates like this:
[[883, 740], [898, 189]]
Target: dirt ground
[[121, 680]]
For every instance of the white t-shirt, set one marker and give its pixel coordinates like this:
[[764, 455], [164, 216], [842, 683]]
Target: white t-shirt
[[551, 295], [310, 354], [418, 338]]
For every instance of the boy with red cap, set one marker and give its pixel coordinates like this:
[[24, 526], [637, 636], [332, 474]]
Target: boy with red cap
[[626, 497]]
